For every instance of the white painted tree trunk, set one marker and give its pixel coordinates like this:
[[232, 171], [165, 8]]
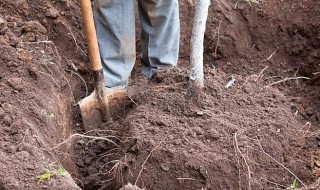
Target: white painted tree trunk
[[197, 38]]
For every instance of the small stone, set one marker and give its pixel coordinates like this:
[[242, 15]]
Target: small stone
[[13, 129], [246, 90], [7, 120], [14, 82], [44, 21], [177, 142], [25, 55], [8, 53], [7, 107], [88, 160], [2, 113], [80, 162], [2, 21], [92, 170], [52, 13], [102, 146], [81, 142], [213, 134], [7, 138], [23, 155], [190, 150], [34, 26], [20, 3], [89, 181], [129, 186], [192, 134], [6, 93], [309, 111], [198, 130], [91, 153], [313, 119], [12, 64], [3, 42], [14, 40], [165, 167], [200, 113], [10, 149], [12, 24]]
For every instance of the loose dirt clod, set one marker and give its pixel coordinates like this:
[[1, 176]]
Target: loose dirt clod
[[130, 187]]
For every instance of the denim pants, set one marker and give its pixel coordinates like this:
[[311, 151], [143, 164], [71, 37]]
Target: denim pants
[[115, 24]]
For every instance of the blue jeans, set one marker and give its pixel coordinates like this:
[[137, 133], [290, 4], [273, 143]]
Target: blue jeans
[[115, 24]]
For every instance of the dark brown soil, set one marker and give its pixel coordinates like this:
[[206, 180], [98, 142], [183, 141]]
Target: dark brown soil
[[257, 134]]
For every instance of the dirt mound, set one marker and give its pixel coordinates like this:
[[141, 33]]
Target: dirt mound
[[230, 139], [243, 137]]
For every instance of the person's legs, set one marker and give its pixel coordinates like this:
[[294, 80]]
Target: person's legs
[[115, 24], [160, 34]]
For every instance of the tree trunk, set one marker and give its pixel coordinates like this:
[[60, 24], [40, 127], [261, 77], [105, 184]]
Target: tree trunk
[[197, 38]]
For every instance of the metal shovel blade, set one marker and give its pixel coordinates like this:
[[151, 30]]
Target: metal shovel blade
[[115, 99]]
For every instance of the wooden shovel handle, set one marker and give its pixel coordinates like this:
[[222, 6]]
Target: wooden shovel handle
[[91, 35]]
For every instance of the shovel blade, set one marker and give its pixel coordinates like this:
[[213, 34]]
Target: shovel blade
[[115, 99]]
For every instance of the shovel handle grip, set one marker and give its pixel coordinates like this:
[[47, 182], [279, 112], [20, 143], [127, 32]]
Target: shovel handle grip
[[91, 35]]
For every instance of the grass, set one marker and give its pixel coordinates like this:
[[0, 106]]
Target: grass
[[48, 176], [294, 185]]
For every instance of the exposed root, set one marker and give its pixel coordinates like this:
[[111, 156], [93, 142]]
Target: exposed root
[[84, 82], [274, 183], [261, 73], [186, 178], [70, 138], [75, 41], [142, 167], [284, 167], [55, 82], [286, 79], [118, 168], [245, 82], [268, 59], [244, 159], [218, 40]]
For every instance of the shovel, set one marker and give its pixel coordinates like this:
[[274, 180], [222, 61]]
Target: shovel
[[103, 102]]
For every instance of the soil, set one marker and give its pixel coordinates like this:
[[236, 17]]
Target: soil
[[260, 133]]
